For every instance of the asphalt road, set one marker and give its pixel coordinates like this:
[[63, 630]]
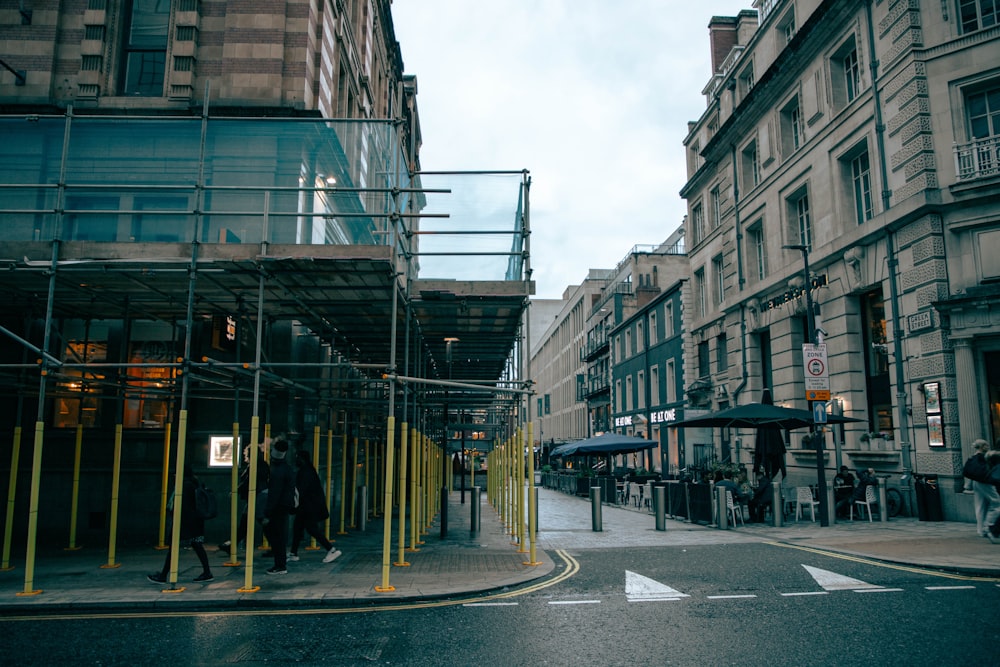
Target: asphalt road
[[737, 604]]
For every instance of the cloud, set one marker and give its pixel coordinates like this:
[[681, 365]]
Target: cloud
[[592, 97]]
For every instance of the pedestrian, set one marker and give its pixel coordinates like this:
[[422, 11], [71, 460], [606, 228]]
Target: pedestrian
[[311, 510], [192, 530], [243, 490], [843, 487], [986, 501], [762, 499], [280, 503], [866, 478], [992, 519]]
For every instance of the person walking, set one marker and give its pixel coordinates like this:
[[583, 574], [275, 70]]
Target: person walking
[[986, 501], [992, 520], [280, 503], [311, 510], [243, 490], [192, 530]]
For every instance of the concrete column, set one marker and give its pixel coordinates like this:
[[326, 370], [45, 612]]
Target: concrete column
[[969, 423]]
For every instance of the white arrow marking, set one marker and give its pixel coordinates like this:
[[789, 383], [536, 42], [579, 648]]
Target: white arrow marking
[[832, 581], [641, 589]]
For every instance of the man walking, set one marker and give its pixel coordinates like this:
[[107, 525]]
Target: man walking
[[280, 503]]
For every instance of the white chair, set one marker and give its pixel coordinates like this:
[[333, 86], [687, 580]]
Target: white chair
[[734, 509], [633, 493], [647, 495], [870, 499], [804, 497]]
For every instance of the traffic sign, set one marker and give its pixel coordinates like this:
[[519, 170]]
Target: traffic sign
[[819, 412], [817, 372]]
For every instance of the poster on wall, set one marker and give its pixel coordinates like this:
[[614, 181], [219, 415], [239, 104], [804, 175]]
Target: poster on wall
[[932, 398], [220, 451], [935, 432]]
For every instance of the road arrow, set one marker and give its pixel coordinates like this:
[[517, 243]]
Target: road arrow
[[643, 589], [832, 581]]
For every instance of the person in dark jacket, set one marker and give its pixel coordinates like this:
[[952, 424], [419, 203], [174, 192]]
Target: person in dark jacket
[[993, 477], [243, 489], [311, 510], [280, 503], [192, 532]]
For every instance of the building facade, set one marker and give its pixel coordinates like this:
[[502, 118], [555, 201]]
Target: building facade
[[858, 139]]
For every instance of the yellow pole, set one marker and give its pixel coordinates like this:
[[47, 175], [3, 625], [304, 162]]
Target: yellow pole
[[116, 474], [532, 502], [75, 495], [36, 478], [15, 455], [315, 457], [175, 529], [164, 481], [234, 483], [267, 457], [354, 484], [387, 506], [415, 499], [401, 542], [343, 478], [521, 530], [248, 586], [329, 480], [366, 476]]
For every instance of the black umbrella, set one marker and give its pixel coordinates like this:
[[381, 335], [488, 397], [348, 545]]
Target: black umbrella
[[755, 415], [608, 443]]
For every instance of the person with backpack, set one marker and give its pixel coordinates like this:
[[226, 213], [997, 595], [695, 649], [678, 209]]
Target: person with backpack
[[280, 503], [311, 510], [243, 490], [192, 530], [987, 500]]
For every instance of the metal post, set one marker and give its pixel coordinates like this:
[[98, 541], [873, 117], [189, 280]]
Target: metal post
[[883, 510], [595, 509], [362, 516], [474, 513], [720, 502], [660, 506], [778, 505]]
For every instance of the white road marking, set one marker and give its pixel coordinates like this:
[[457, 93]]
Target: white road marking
[[789, 595], [878, 590], [490, 604], [949, 588], [574, 602], [831, 581], [643, 589], [728, 597]]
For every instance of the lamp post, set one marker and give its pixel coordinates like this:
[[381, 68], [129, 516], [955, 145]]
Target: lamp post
[[814, 436]]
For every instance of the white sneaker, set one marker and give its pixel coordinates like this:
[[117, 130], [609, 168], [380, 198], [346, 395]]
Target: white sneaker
[[331, 555], [292, 557]]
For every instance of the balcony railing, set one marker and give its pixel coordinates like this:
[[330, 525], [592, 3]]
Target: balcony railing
[[978, 159]]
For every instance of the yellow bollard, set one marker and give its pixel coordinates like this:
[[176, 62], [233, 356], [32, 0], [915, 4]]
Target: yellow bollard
[[343, 478], [164, 481], [15, 455], [312, 546], [329, 481], [36, 476], [532, 498], [387, 505], [116, 475], [401, 542], [234, 483], [74, 505], [248, 586]]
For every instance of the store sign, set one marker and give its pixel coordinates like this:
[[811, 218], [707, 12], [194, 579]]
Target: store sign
[[656, 417], [793, 294]]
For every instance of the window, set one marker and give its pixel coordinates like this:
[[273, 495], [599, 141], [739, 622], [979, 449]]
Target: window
[[653, 333], [845, 74], [144, 47], [628, 392], [716, 201], [746, 80], [791, 127], [618, 395], [641, 386], [978, 14], [703, 369], [718, 279], [756, 245], [697, 224], [654, 385], [798, 213], [701, 307], [751, 165], [984, 113], [628, 344], [786, 27], [671, 392], [668, 311], [861, 186], [638, 336], [721, 352]]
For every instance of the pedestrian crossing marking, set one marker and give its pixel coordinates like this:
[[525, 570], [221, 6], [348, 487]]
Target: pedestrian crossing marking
[[643, 589], [831, 581]]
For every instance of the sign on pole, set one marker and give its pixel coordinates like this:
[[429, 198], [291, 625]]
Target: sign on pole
[[817, 372]]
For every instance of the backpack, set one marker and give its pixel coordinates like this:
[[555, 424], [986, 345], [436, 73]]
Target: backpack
[[975, 468], [204, 502]]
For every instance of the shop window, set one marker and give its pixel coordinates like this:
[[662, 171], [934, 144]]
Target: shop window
[[876, 348], [150, 387], [78, 389]]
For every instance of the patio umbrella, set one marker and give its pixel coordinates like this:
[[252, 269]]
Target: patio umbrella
[[608, 443], [755, 415]]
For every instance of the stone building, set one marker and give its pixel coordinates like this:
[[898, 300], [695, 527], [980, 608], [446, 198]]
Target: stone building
[[859, 139]]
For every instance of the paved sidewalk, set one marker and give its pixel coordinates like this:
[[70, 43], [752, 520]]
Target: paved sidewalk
[[458, 565]]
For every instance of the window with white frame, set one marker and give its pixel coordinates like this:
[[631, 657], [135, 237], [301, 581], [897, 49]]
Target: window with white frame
[[976, 15], [628, 393], [701, 306], [653, 333], [697, 224], [718, 280], [858, 175], [845, 73], [750, 165], [654, 385], [628, 344], [800, 217], [746, 80], [668, 327], [641, 393], [638, 336], [757, 250], [980, 156], [671, 382], [715, 198], [618, 395], [791, 127], [983, 110], [786, 26]]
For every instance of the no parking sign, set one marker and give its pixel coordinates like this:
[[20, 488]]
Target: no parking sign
[[817, 372]]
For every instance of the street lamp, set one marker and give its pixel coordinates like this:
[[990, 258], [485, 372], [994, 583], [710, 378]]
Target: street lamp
[[824, 515]]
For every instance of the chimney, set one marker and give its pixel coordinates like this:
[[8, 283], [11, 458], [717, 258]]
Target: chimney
[[723, 35]]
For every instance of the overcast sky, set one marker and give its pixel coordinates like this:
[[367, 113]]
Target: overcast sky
[[592, 97]]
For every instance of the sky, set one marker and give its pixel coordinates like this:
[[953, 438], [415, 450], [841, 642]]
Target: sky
[[592, 97]]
